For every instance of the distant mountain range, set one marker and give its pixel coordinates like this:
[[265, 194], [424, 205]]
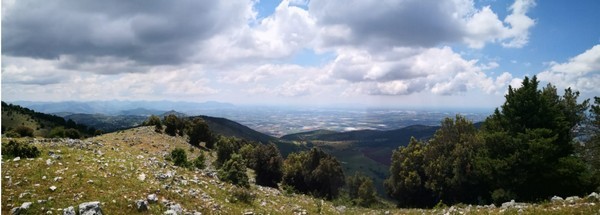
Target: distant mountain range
[[115, 107]]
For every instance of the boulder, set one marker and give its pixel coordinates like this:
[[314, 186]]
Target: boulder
[[141, 205], [15, 211], [90, 208], [69, 211], [152, 198], [26, 205], [572, 199], [593, 196], [556, 199]]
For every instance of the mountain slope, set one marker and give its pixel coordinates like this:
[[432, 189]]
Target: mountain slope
[[15, 115], [231, 128]]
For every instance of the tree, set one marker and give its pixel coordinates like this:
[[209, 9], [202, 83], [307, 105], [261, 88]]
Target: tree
[[267, 163], [24, 131], [154, 120], [226, 147], [199, 161], [449, 160], [234, 171], [590, 148], [530, 141], [179, 157], [200, 132], [314, 172], [407, 179], [361, 190], [72, 133], [171, 123]]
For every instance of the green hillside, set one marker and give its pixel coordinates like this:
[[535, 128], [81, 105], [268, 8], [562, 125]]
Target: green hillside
[[14, 116], [117, 169]]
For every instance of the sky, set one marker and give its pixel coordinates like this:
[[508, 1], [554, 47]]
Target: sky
[[375, 53]]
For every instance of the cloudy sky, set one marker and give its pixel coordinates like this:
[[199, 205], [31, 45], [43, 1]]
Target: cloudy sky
[[455, 53]]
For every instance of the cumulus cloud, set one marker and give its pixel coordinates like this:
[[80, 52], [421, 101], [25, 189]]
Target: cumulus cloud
[[289, 29], [581, 72], [418, 23], [405, 71]]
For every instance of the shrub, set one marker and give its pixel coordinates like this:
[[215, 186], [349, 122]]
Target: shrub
[[240, 194], [18, 149], [234, 171], [57, 132], [500, 196], [179, 157], [12, 134], [199, 161], [72, 133], [24, 131]]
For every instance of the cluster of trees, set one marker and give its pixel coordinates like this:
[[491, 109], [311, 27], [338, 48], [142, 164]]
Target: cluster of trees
[[196, 129], [313, 172], [524, 151]]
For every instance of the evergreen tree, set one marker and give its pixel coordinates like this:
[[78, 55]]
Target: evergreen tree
[[448, 162], [314, 172], [528, 151], [154, 120], [407, 179], [171, 123], [268, 165], [199, 132], [234, 171]]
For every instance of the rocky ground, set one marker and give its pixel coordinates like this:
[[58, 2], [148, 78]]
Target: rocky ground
[[126, 173]]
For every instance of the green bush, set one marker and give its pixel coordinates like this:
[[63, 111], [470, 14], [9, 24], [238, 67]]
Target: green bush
[[179, 157], [72, 133], [18, 149], [12, 134], [57, 132], [240, 194], [24, 131], [199, 161], [234, 171]]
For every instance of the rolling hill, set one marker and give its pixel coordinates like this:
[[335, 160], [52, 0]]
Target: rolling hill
[[41, 123]]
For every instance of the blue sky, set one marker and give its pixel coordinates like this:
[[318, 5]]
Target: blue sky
[[409, 53]]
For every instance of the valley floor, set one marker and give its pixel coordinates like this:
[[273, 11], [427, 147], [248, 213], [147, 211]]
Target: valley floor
[[117, 169]]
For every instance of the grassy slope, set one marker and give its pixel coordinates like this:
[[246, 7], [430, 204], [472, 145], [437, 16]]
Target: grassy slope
[[114, 161], [14, 119]]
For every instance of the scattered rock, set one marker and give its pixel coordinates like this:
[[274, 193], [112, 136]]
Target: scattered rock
[[26, 205], [170, 212], [594, 195], [572, 199], [176, 207], [152, 198], [248, 213], [141, 205], [69, 211], [90, 208], [52, 188], [509, 204], [142, 177], [17, 159], [341, 208], [16, 210], [556, 199], [21, 209], [49, 162]]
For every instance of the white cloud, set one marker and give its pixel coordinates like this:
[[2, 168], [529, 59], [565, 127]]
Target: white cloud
[[418, 23], [405, 71], [484, 26], [581, 72]]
